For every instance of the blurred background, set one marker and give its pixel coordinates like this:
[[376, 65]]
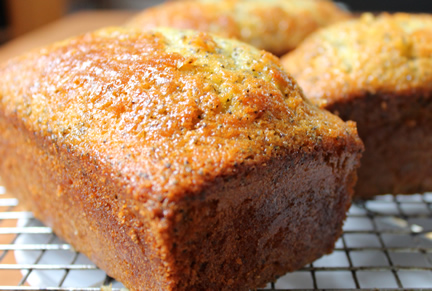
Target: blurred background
[[18, 17]]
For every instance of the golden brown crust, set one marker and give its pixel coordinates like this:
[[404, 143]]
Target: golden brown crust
[[176, 101], [373, 55], [276, 26], [376, 71], [148, 144]]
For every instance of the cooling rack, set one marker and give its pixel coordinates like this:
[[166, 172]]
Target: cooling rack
[[386, 244]]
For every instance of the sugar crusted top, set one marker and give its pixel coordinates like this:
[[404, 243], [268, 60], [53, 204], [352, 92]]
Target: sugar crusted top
[[388, 54], [167, 110]]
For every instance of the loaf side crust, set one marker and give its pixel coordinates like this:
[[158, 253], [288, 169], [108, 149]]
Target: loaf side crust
[[239, 233], [397, 134]]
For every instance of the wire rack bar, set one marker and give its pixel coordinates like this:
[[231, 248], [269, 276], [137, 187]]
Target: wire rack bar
[[394, 216], [46, 267], [368, 268], [25, 230], [28, 272], [35, 247], [416, 231], [387, 220], [8, 202], [16, 215], [54, 288], [391, 249]]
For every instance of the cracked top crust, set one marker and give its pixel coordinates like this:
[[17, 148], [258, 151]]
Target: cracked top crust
[[274, 25], [388, 54], [166, 110]]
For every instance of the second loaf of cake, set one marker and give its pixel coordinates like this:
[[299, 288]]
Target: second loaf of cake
[[277, 26], [377, 71], [172, 164]]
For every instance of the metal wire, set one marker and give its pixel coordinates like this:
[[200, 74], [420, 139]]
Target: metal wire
[[386, 245]]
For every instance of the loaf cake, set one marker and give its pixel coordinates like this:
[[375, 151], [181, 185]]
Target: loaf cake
[[377, 71], [172, 164], [274, 25]]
